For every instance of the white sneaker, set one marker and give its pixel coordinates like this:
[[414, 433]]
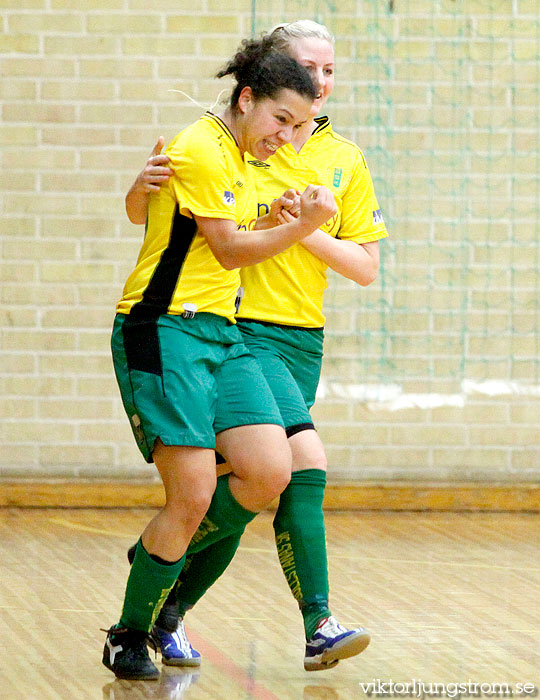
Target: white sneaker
[[332, 642]]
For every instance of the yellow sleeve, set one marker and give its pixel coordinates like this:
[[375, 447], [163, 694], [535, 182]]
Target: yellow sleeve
[[202, 183], [361, 217]]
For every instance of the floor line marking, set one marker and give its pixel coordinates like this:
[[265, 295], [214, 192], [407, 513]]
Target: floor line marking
[[230, 667], [89, 528], [407, 562]]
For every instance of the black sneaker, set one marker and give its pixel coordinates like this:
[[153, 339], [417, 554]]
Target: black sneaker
[[126, 654]]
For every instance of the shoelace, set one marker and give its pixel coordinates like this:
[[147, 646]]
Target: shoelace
[[330, 624], [181, 632]]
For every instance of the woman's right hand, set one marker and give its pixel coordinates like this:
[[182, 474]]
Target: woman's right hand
[[150, 179], [155, 172]]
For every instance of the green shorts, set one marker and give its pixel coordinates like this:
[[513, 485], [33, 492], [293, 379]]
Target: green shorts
[[290, 359], [185, 380]]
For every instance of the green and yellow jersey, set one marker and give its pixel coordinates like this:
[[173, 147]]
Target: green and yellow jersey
[[176, 271], [288, 288]]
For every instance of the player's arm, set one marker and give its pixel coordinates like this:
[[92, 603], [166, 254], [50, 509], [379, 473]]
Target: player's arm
[[150, 179], [237, 248], [355, 254], [356, 261]]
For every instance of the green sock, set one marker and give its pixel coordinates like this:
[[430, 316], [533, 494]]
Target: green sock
[[224, 517], [203, 569], [301, 544], [147, 588]]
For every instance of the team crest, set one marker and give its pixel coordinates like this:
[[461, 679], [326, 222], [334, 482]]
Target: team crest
[[228, 198], [378, 217], [338, 173]]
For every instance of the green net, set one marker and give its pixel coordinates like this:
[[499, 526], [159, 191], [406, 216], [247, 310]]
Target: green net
[[443, 98]]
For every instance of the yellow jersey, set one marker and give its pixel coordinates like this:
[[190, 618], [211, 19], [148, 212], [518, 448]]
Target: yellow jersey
[[176, 272], [288, 288]]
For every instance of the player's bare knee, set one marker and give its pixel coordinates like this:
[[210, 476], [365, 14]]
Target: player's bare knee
[[275, 478], [281, 483], [188, 513]]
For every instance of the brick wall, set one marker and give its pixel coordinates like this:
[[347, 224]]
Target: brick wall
[[443, 98]]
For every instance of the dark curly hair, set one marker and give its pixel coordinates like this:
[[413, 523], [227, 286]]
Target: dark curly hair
[[258, 65]]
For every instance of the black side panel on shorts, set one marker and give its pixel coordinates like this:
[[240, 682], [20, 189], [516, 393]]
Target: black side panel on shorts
[[294, 429], [140, 334], [141, 344]]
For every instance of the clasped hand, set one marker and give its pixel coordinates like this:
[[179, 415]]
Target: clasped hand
[[315, 206]]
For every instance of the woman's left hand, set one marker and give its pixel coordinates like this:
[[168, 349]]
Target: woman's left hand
[[289, 202]]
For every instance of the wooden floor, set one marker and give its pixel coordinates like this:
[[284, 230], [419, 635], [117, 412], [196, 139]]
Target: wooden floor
[[448, 597]]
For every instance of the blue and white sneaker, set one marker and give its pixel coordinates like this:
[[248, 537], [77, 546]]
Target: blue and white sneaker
[[175, 647], [332, 642]]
